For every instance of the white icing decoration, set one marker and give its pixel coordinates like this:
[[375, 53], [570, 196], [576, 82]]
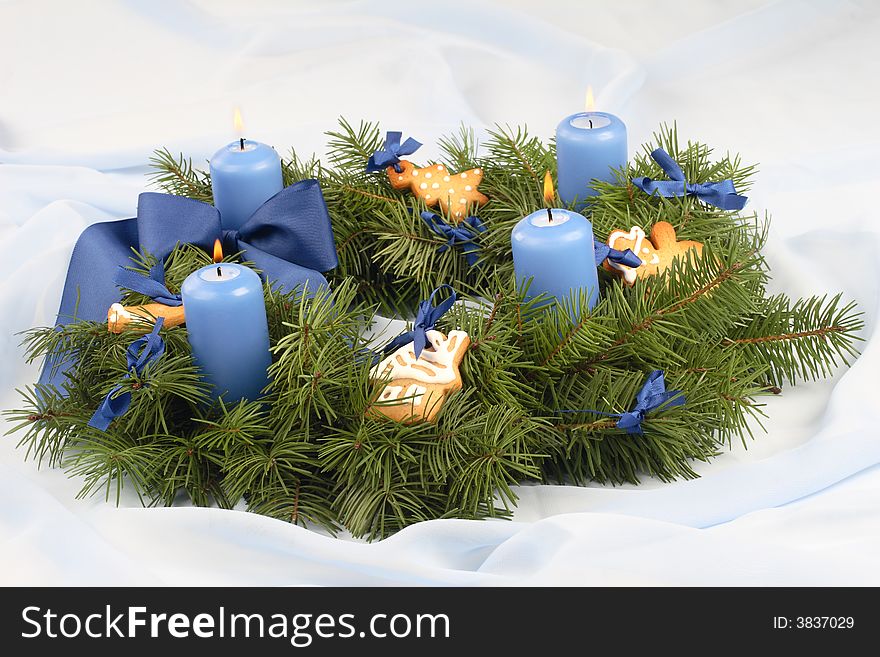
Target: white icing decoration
[[645, 249], [477, 171], [416, 392], [427, 196], [428, 175], [439, 167], [451, 191], [467, 188], [391, 392], [635, 234], [439, 361], [423, 186], [119, 311], [462, 201], [464, 175], [435, 186], [445, 178], [655, 259], [415, 172]]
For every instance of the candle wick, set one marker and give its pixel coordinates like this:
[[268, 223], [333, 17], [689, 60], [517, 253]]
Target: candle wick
[[219, 272], [550, 215], [590, 120], [241, 140]]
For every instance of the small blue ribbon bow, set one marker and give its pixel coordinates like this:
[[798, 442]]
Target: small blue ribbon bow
[[652, 395], [143, 351], [153, 285], [720, 194], [389, 154], [604, 252], [462, 235], [426, 319]]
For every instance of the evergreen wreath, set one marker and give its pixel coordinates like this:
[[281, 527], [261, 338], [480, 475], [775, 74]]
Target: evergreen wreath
[[310, 451]]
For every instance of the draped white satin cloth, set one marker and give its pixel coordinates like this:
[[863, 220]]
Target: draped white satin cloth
[[88, 90]]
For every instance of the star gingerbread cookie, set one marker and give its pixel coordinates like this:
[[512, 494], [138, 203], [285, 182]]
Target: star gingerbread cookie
[[455, 192], [656, 252]]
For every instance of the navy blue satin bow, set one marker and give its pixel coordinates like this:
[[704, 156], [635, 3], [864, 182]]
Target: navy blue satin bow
[[652, 395], [153, 285], [289, 238], [389, 154], [143, 351], [426, 319], [459, 235], [604, 252], [720, 194]]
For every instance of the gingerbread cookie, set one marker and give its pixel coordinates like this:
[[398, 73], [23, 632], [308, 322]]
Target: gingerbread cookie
[[436, 184], [657, 253], [119, 317], [419, 386]]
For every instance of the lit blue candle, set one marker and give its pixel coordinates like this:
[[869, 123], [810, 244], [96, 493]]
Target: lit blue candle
[[588, 146], [244, 175], [227, 329], [555, 251]]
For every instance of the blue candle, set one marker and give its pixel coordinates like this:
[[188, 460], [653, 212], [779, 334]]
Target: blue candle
[[244, 175], [557, 255], [227, 329], [588, 146]]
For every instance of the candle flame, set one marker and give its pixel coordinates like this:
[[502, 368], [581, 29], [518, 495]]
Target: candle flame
[[218, 251], [549, 193], [590, 103], [237, 122]]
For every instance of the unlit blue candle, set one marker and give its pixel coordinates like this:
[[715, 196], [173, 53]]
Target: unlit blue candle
[[227, 329], [242, 179], [589, 145], [556, 255]]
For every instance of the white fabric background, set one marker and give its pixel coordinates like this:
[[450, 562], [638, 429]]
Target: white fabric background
[[88, 90]]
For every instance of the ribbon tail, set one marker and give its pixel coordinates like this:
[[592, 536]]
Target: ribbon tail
[[670, 167], [283, 275], [409, 147], [110, 409], [600, 251], [419, 340], [89, 289], [397, 343], [627, 258], [730, 201], [151, 287], [664, 188]]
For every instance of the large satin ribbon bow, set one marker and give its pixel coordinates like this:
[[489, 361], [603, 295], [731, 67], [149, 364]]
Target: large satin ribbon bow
[[463, 235], [389, 154], [720, 194], [143, 351], [652, 395], [604, 252], [426, 319], [289, 238]]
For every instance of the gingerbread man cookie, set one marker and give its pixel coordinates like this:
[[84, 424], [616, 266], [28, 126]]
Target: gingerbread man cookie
[[436, 184], [657, 253], [417, 388]]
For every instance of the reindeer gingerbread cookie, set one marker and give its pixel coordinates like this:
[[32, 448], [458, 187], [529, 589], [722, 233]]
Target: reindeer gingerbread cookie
[[416, 388], [455, 192], [657, 252]]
